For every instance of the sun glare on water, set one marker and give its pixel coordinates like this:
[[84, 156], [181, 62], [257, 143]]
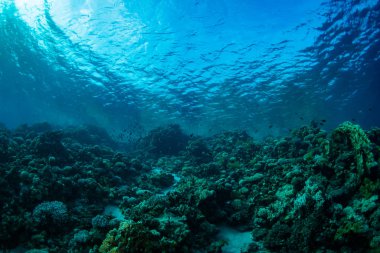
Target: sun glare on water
[[30, 10]]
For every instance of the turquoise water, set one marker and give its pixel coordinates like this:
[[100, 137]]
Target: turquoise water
[[207, 65]]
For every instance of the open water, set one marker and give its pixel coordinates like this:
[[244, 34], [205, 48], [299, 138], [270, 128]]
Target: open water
[[207, 65]]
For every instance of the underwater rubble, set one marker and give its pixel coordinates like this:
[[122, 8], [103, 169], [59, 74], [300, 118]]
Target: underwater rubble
[[74, 190]]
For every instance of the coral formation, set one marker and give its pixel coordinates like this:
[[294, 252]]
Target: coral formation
[[310, 191], [168, 140]]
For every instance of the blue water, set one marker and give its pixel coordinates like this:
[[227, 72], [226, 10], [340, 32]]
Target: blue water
[[262, 66]]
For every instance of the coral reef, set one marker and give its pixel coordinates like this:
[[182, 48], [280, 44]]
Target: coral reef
[[311, 191], [168, 140]]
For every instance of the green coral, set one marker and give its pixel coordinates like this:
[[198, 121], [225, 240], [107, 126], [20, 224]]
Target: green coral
[[130, 237], [308, 156], [350, 228], [167, 235], [369, 188], [353, 137]]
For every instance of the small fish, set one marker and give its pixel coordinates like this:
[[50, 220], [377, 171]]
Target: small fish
[[354, 120], [323, 120], [301, 118], [270, 126]]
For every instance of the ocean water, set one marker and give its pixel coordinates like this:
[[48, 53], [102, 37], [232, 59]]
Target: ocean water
[[189, 126], [207, 65]]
